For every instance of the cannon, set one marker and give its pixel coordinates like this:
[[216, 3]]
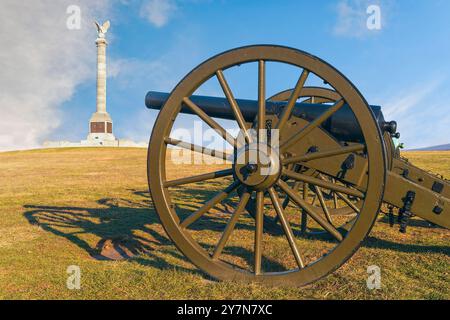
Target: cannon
[[341, 125], [315, 191]]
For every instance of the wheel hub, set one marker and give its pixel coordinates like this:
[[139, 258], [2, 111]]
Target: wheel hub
[[257, 167]]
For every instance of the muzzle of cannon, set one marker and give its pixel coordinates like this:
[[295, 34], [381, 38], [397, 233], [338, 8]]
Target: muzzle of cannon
[[342, 125], [316, 196]]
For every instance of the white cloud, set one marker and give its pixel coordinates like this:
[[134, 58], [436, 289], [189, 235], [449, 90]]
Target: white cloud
[[402, 104], [158, 12], [422, 118], [352, 17], [41, 64]]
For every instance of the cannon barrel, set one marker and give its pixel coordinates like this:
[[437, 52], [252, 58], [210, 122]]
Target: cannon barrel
[[342, 125]]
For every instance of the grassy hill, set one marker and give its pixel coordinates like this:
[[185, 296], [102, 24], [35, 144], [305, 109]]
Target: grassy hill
[[63, 207]]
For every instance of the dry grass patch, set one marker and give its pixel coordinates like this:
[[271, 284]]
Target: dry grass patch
[[57, 205]]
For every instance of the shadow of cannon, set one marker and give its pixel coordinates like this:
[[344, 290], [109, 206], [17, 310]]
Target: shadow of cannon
[[128, 229]]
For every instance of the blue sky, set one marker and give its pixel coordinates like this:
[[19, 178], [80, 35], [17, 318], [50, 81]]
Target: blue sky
[[404, 67]]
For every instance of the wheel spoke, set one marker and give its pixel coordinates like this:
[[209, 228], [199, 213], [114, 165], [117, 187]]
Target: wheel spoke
[[199, 178], [210, 204], [323, 204], [296, 186], [199, 149], [304, 217], [231, 225], [233, 104], [259, 230], [342, 197], [335, 197], [286, 199], [324, 154], [213, 124], [314, 199], [310, 210], [348, 202], [324, 184], [304, 222], [261, 101], [312, 125], [286, 227], [305, 191], [286, 113]]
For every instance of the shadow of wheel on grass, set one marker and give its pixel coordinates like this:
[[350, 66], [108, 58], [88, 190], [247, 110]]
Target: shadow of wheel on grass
[[127, 228]]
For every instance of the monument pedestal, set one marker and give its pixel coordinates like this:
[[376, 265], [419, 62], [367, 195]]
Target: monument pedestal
[[101, 129]]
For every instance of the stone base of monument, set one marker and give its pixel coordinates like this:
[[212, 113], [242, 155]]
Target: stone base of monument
[[102, 139]]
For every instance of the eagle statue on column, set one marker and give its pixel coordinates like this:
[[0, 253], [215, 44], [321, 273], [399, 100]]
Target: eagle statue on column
[[102, 29]]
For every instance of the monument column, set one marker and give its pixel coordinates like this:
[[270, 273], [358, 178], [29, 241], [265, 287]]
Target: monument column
[[101, 125], [101, 74]]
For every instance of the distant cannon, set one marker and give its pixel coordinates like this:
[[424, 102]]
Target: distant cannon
[[335, 166]]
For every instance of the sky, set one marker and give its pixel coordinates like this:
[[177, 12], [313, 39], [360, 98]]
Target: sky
[[48, 71]]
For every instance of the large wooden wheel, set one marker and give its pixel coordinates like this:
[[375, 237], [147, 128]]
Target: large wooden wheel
[[252, 261]]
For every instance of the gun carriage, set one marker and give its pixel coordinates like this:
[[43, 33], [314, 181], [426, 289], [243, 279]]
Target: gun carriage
[[333, 166]]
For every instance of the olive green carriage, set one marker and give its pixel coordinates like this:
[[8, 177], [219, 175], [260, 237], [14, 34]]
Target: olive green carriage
[[334, 166]]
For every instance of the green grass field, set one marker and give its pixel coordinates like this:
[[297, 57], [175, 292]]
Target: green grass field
[[58, 206]]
